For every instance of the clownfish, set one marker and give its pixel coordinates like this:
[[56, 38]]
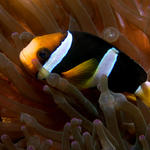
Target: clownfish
[[82, 58]]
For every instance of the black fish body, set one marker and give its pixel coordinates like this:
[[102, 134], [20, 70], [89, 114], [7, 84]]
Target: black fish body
[[81, 62]]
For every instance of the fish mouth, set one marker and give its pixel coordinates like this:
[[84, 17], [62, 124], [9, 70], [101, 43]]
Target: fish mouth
[[22, 57], [27, 63]]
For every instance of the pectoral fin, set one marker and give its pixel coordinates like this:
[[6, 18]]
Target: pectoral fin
[[81, 73]]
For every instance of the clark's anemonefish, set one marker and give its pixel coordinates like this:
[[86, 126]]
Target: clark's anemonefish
[[82, 58]]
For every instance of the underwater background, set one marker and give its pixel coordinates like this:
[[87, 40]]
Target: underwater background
[[58, 116]]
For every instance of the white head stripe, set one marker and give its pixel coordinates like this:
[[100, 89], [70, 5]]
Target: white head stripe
[[107, 63], [59, 53]]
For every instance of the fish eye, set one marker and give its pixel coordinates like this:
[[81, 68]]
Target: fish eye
[[43, 54]]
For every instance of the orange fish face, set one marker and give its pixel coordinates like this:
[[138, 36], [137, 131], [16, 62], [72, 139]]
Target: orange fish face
[[40, 49]]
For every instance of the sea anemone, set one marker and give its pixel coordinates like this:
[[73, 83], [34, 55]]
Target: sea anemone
[[30, 111]]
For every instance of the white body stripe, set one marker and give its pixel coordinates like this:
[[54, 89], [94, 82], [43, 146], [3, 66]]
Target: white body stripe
[[105, 66], [59, 53], [107, 63]]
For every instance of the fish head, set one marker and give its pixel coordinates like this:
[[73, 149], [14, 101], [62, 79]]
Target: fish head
[[40, 49]]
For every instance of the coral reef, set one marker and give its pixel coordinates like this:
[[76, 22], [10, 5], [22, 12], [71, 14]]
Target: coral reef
[[33, 113]]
